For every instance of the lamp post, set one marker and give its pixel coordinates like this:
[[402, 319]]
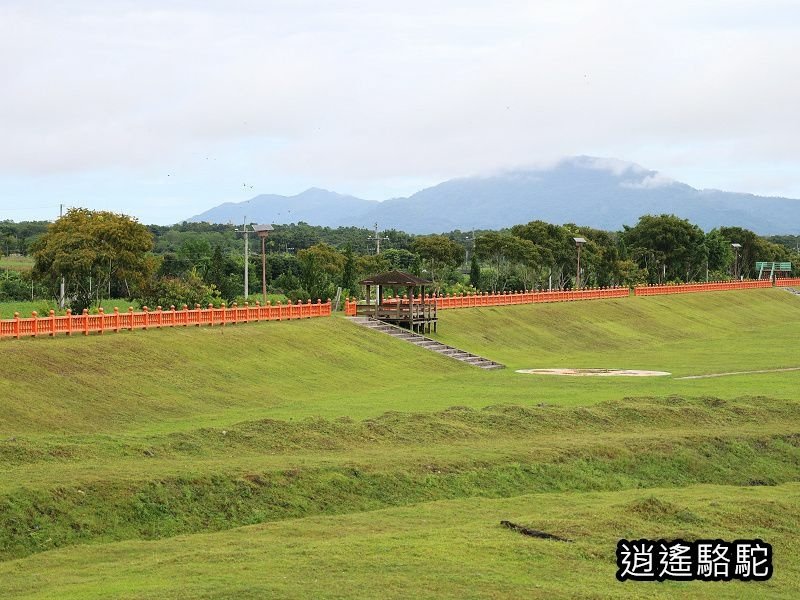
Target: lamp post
[[736, 248], [579, 241], [263, 231]]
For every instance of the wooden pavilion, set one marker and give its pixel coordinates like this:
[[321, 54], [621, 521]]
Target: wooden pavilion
[[413, 311]]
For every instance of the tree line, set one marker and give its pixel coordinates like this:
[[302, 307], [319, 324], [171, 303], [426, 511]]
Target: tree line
[[100, 255]]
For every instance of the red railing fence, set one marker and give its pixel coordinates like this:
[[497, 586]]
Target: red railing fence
[[101, 322], [711, 286], [447, 301], [787, 281], [98, 323]]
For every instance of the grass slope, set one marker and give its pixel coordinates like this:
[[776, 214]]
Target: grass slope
[[685, 335], [159, 381], [113, 445]]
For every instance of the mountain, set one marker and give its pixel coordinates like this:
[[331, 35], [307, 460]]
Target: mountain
[[598, 192], [315, 206]]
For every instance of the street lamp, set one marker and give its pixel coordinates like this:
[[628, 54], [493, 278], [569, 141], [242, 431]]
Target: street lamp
[[263, 231], [736, 248], [579, 241]]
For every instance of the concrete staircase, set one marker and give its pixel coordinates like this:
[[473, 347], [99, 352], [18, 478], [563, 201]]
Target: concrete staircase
[[427, 343], [794, 291]]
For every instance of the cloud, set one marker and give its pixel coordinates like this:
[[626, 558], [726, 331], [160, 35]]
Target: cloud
[[354, 95], [651, 181]]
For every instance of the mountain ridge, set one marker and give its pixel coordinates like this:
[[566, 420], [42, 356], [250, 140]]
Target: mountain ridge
[[598, 192]]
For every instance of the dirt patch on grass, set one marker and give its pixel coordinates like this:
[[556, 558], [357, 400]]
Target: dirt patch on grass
[[595, 372]]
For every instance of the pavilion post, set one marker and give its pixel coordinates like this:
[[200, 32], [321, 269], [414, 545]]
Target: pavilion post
[[411, 316]]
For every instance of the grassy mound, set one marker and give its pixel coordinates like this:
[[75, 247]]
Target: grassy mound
[[221, 480], [445, 549]]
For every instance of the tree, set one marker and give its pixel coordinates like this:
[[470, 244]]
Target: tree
[[320, 266], [92, 250], [195, 253], [402, 260], [438, 253], [754, 249], [475, 272], [349, 282], [719, 253], [555, 249], [223, 274], [670, 248], [510, 257]]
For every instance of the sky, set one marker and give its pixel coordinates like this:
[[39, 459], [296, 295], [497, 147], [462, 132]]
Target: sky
[[163, 109]]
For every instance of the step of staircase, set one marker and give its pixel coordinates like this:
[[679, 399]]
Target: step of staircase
[[427, 343]]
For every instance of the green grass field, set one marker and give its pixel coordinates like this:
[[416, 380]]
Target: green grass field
[[16, 263], [319, 459]]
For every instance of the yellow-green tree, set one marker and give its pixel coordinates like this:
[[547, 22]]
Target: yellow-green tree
[[93, 251]]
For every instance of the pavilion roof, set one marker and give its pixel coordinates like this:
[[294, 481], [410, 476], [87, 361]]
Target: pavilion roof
[[398, 278]]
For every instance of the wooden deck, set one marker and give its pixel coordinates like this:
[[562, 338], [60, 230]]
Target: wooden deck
[[416, 316]]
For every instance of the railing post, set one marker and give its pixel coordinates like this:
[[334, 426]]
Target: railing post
[[159, 312], [69, 321], [146, 318], [130, 318], [116, 319], [16, 325], [52, 323], [85, 321], [35, 323], [102, 320]]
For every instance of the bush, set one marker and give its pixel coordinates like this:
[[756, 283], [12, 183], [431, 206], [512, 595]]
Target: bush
[[177, 291], [15, 286], [298, 294]]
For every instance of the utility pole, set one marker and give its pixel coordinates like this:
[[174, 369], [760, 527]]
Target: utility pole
[[61, 299], [377, 239], [263, 231], [244, 230]]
